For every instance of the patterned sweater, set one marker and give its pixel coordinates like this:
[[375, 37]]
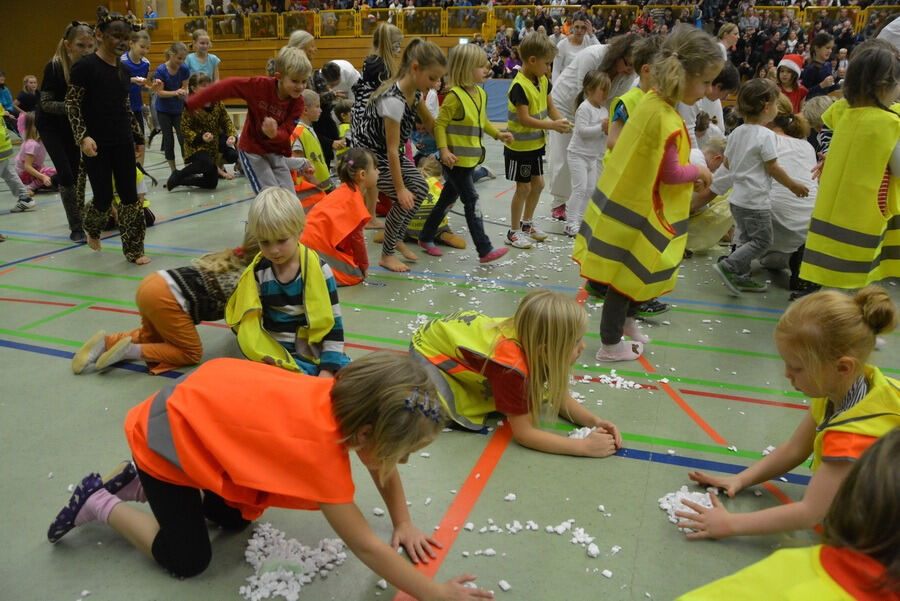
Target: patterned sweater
[[213, 119]]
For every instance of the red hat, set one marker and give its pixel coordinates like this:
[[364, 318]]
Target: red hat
[[794, 62]]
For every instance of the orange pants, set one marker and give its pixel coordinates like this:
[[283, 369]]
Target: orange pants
[[167, 335]]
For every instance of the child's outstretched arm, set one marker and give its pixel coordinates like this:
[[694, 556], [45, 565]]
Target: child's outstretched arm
[[781, 176], [348, 522], [230, 87], [600, 443], [414, 541]]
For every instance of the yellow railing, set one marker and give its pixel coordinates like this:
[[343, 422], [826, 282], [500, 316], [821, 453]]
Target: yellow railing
[[876, 11], [835, 14], [335, 24], [466, 20]]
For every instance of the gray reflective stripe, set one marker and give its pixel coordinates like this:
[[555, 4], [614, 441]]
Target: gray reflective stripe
[[819, 259], [826, 425], [463, 130], [625, 215], [513, 116], [624, 256], [340, 265], [843, 234], [437, 378], [527, 136], [159, 431], [465, 151]]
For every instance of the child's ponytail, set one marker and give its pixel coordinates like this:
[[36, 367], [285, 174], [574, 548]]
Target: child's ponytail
[[687, 51], [230, 259], [423, 53], [878, 311], [75, 30], [793, 125], [351, 163]]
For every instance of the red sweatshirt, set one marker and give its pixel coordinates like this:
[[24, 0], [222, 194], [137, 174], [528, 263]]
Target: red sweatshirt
[[261, 96]]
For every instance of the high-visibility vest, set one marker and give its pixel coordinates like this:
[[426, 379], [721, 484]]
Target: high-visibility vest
[[255, 435], [631, 99], [527, 138], [819, 573], [418, 220], [463, 389], [308, 192], [464, 135], [332, 220], [6, 150], [874, 416], [851, 241], [635, 227], [138, 178], [343, 128]]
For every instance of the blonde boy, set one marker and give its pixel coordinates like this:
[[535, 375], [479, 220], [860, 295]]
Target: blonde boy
[[529, 104], [314, 177]]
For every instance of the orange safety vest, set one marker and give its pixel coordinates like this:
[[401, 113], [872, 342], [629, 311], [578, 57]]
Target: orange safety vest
[[336, 217], [307, 192], [256, 435]]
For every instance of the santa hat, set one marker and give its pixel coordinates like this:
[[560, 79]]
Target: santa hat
[[794, 62]]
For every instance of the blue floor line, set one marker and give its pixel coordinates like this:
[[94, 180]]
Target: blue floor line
[[115, 242], [37, 204]]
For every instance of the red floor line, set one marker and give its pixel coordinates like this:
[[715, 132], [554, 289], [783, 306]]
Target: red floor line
[[743, 399], [7, 270], [36, 302], [464, 501], [507, 191], [45, 257]]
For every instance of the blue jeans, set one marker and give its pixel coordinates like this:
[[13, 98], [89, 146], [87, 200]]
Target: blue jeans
[[458, 184], [754, 229]]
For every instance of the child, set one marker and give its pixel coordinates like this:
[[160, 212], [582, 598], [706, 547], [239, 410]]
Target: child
[[825, 340], [170, 99], [705, 130], [424, 144], [386, 127], [817, 76], [383, 407], [634, 231], [586, 147], [528, 105], [334, 227], [458, 130], [9, 175], [851, 236], [6, 100], [105, 129], [820, 134], [136, 61], [752, 160], [273, 107], [642, 55], [200, 60], [524, 363], [202, 130], [171, 303], [710, 217], [342, 110], [285, 309], [789, 69], [30, 160], [26, 101], [313, 181]]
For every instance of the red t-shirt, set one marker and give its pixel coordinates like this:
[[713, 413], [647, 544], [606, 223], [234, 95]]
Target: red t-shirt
[[508, 382], [796, 96]]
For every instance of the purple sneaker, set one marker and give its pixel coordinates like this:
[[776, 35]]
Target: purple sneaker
[[120, 477], [65, 519]]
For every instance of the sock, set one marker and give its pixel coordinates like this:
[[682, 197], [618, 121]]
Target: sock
[[133, 491], [98, 349], [133, 352], [634, 332], [526, 225], [97, 507]]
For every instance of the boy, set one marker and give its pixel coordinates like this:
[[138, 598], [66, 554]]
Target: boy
[[313, 182], [285, 309], [273, 106], [725, 83], [8, 172], [528, 105], [342, 110], [642, 54]]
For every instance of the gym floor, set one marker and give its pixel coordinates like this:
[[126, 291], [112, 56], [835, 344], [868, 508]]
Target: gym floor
[[711, 379]]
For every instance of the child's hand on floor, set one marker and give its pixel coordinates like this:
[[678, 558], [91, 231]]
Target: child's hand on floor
[[598, 444], [730, 484], [417, 545], [270, 127]]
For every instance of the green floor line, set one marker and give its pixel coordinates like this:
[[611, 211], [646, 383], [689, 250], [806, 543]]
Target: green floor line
[[38, 241], [379, 339], [68, 295], [719, 314], [701, 347], [55, 316], [28, 336], [97, 274], [111, 248]]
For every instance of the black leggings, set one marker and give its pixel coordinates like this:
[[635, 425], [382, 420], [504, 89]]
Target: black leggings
[[182, 544], [167, 123], [114, 161], [200, 171], [616, 309], [63, 151]]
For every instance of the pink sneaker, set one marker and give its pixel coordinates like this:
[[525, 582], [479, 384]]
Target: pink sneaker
[[431, 249], [559, 212], [493, 255]]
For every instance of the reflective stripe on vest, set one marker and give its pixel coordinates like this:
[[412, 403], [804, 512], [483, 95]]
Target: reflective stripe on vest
[[464, 135], [624, 215], [337, 264], [527, 138], [436, 375], [308, 196], [159, 431]]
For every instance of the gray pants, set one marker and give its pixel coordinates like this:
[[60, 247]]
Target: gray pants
[[12, 179], [265, 171], [754, 228]]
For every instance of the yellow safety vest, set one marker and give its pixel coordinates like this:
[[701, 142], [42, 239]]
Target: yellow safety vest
[[418, 221], [139, 177], [464, 135], [343, 128], [851, 242], [875, 415], [244, 313], [527, 138], [635, 226], [5, 143], [312, 150], [804, 574], [630, 99], [463, 389]]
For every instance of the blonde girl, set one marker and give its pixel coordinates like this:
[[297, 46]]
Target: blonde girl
[[524, 362], [200, 60], [464, 109], [634, 231], [31, 157], [298, 39], [171, 303], [136, 61], [825, 340], [587, 145], [26, 101], [388, 120], [170, 95], [382, 407]]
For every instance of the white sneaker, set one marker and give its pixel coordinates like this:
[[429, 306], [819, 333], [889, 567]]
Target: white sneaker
[[23, 205], [517, 239], [533, 233], [572, 229], [490, 172]]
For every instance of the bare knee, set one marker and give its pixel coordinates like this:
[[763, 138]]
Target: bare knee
[[523, 188]]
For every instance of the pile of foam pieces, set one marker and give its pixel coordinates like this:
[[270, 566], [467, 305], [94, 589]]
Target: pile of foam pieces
[[674, 501]]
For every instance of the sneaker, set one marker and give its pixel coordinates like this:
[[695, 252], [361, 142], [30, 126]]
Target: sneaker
[[120, 477], [559, 213], [65, 519], [431, 249], [651, 307], [490, 172], [24, 204], [727, 277], [517, 239], [572, 229], [493, 255], [89, 352], [747, 284], [78, 237], [532, 232]]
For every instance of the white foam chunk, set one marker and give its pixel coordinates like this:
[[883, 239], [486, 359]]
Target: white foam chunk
[[382, 584], [673, 502], [469, 526], [489, 552], [581, 432], [378, 511], [504, 585], [424, 455], [593, 550], [510, 497], [768, 450], [615, 549], [607, 573]]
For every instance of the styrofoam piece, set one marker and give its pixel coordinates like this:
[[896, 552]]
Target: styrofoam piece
[[581, 432], [593, 550], [615, 549], [382, 584], [469, 526], [673, 502], [504, 585], [607, 573], [378, 511], [768, 450], [510, 497], [489, 552]]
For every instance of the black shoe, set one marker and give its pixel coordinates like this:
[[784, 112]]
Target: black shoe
[[804, 287], [78, 237], [153, 134], [172, 182], [596, 290], [652, 307]]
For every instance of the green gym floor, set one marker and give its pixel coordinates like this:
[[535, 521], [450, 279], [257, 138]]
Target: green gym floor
[[711, 379]]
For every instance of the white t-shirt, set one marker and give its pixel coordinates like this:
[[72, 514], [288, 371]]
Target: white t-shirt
[[689, 112], [432, 103], [391, 107], [570, 81], [588, 137], [797, 158], [749, 147], [722, 181], [349, 77], [698, 158], [891, 33], [713, 108], [566, 51]]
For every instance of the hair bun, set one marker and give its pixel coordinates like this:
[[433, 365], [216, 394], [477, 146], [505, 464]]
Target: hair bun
[[878, 310]]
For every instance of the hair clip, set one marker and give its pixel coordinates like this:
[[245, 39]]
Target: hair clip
[[350, 162], [426, 406], [238, 251]]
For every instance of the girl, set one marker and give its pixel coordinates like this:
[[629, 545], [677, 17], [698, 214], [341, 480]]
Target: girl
[[334, 226], [634, 230], [171, 303], [52, 122], [202, 130], [26, 101], [752, 160], [200, 60], [513, 62], [825, 340], [389, 118], [30, 160], [463, 113], [105, 129], [587, 144], [136, 61], [789, 69], [383, 407], [852, 232], [524, 363], [170, 98], [817, 75]]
